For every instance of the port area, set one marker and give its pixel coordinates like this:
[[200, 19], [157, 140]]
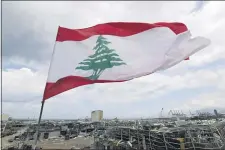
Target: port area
[[146, 134]]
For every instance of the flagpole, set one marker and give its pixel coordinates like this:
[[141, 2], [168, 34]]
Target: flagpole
[[43, 101], [39, 122]]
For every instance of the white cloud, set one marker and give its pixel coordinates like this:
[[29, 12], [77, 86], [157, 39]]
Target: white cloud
[[43, 18], [18, 83], [208, 100], [27, 84]]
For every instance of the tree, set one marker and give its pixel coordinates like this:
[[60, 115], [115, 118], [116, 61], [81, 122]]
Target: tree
[[102, 59]]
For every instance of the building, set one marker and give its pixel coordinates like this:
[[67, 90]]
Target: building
[[96, 115], [4, 117]]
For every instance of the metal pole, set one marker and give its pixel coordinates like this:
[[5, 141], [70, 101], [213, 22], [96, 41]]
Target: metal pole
[[129, 135], [143, 142], [192, 142], [39, 121], [43, 101], [165, 141], [149, 135], [138, 138], [121, 134]]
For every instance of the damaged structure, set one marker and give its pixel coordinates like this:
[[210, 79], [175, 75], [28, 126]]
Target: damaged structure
[[200, 132]]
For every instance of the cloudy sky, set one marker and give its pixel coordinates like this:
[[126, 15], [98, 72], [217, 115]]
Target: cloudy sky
[[28, 35]]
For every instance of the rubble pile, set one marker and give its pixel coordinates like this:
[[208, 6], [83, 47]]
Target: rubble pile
[[147, 134], [188, 137]]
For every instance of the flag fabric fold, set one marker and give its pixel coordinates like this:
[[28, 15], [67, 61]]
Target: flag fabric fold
[[117, 52]]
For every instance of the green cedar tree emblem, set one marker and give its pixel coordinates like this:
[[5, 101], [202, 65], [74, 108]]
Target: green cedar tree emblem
[[102, 59]]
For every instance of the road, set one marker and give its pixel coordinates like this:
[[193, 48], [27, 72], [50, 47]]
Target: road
[[5, 139]]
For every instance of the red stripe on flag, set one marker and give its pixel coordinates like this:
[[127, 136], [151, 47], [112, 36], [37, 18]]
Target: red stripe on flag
[[121, 29], [67, 83]]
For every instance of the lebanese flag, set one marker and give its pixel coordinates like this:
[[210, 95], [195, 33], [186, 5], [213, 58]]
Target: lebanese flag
[[117, 52]]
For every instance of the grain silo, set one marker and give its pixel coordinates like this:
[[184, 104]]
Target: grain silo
[[4, 117], [96, 115]]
